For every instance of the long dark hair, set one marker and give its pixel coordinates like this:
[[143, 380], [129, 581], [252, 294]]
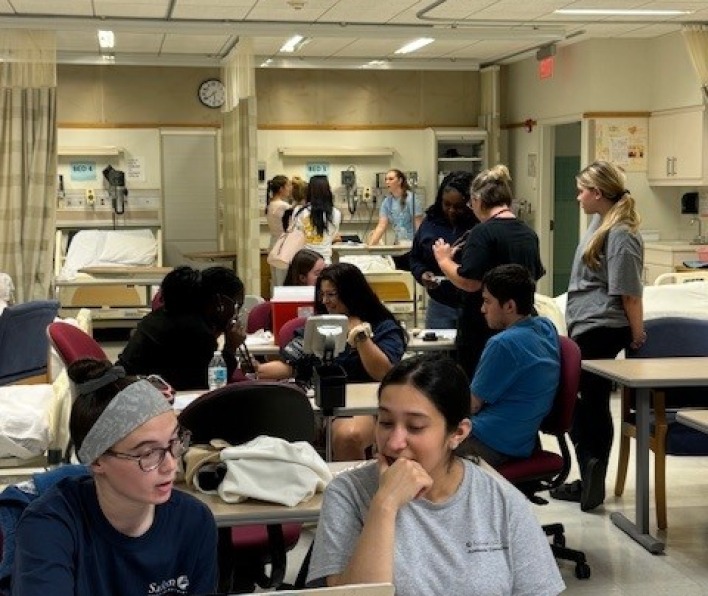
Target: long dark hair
[[321, 202], [461, 182], [355, 292]]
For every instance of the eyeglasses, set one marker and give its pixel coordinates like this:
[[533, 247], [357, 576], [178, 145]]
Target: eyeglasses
[[152, 459], [161, 385], [237, 305], [327, 296]]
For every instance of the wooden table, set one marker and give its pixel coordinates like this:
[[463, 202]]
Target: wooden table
[[696, 419], [215, 256], [645, 374]]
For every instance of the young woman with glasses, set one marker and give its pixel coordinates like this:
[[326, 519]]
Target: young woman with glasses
[[376, 342], [178, 340], [122, 529]]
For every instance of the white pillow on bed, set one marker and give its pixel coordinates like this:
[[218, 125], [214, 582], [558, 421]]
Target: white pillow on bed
[[129, 247], [109, 247]]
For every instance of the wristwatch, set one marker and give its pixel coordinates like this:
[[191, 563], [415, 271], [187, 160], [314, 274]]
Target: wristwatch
[[358, 334]]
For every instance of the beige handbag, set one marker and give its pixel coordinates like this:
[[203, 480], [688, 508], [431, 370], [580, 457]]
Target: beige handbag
[[286, 246]]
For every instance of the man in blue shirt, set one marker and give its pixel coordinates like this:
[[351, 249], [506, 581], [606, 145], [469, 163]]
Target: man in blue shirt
[[517, 377]]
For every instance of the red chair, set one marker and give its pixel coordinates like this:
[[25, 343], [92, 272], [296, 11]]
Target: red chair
[[260, 318], [287, 331], [238, 413], [71, 343], [546, 470]]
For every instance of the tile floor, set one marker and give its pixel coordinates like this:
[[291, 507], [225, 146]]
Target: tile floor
[[619, 565]]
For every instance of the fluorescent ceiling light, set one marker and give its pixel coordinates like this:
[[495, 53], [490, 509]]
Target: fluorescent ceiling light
[[622, 12], [106, 39], [294, 44], [414, 45]]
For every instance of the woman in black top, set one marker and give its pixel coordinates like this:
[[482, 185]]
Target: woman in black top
[[449, 218], [500, 239]]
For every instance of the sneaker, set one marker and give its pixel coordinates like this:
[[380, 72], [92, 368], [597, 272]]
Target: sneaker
[[570, 491], [593, 489]]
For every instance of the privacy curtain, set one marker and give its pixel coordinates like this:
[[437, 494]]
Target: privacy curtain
[[28, 162], [696, 37], [241, 213]]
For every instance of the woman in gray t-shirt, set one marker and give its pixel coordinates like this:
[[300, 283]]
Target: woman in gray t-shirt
[[604, 315], [421, 517]]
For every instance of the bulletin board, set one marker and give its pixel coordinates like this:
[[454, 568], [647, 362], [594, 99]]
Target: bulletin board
[[622, 142]]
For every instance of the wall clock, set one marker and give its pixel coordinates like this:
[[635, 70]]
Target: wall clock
[[212, 93]]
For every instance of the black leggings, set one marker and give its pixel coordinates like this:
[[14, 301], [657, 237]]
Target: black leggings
[[592, 426]]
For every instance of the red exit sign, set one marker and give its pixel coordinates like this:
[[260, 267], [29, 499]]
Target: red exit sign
[[545, 67]]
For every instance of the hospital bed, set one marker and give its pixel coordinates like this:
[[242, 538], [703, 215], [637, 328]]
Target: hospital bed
[[112, 272]]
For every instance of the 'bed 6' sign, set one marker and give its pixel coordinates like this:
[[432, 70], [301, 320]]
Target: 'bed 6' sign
[[83, 170], [317, 169]]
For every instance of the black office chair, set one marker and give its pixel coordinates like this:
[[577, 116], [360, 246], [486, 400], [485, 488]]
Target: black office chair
[[238, 413]]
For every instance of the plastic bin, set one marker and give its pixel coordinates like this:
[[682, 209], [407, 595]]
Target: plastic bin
[[329, 381]]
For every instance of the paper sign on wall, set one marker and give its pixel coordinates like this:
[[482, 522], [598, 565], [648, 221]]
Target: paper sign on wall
[[134, 169], [83, 170], [316, 169]]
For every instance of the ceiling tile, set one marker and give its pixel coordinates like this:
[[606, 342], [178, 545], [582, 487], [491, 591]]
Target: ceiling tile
[[156, 9], [193, 44], [73, 8]]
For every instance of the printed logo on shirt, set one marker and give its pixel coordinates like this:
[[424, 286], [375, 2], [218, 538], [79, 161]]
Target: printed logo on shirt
[[179, 585], [484, 547], [311, 235]]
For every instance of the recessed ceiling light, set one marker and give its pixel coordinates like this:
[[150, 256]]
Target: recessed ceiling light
[[106, 39], [414, 45], [622, 12], [294, 44]]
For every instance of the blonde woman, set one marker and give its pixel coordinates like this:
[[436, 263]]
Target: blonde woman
[[500, 239], [604, 315]]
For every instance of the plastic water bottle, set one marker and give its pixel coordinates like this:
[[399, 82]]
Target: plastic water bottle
[[217, 371]]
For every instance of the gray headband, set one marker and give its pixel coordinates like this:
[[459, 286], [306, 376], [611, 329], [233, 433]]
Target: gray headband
[[130, 408]]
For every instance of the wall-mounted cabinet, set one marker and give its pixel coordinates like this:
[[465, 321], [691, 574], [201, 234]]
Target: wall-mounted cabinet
[[460, 150], [89, 151], [677, 154]]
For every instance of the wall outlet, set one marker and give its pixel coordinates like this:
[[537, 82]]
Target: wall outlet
[[366, 194], [90, 197]]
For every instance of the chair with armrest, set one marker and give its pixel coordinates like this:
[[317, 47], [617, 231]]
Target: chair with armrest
[[287, 331], [666, 337], [546, 470], [260, 317], [24, 349], [72, 343], [238, 413]]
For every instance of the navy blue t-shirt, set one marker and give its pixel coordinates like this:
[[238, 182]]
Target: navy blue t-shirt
[[66, 546]]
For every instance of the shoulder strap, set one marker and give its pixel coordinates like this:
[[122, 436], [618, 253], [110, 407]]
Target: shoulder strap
[[291, 227]]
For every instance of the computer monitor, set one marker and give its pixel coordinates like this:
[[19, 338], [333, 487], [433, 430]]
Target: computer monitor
[[326, 336]]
